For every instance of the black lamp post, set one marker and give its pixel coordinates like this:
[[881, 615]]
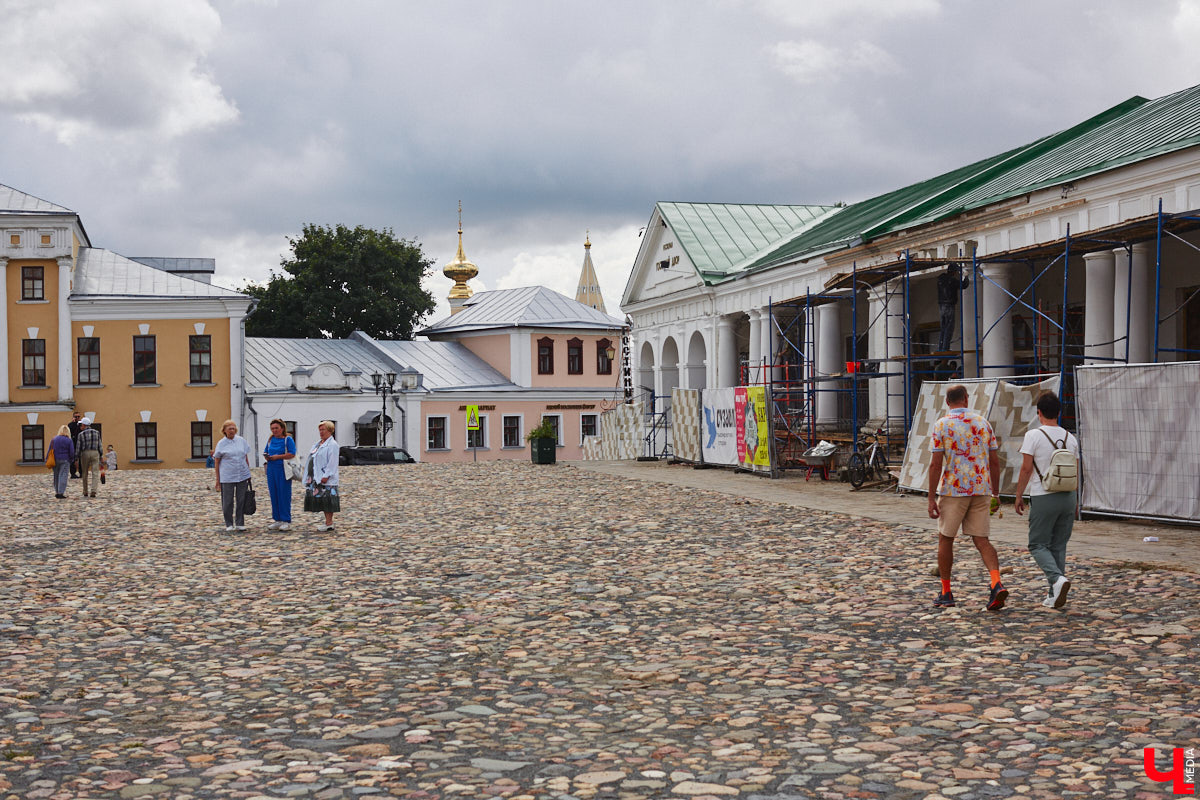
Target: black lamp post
[[384, 385]]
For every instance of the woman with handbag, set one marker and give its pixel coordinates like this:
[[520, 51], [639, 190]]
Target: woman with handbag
[[321, 477], [62, 451], [279, 455], [231, 462]]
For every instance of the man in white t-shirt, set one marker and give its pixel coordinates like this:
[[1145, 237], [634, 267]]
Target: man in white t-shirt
[[1051, 514]]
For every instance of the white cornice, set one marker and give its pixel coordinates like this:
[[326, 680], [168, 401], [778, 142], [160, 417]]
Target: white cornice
[[100, 308]]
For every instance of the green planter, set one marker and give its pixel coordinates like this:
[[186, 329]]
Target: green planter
[[543, 450]]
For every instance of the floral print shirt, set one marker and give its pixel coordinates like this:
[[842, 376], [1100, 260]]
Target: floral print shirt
[[965, 438]]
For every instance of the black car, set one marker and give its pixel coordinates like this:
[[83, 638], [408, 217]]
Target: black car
[[348, 456]]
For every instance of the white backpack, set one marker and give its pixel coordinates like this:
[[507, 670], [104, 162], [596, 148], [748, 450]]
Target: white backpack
[[1063, 473]]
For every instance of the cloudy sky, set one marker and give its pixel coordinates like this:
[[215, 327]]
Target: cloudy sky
[[218, 128]]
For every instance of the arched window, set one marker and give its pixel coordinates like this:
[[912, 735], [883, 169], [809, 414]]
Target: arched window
[[575, 356], [545, 356]]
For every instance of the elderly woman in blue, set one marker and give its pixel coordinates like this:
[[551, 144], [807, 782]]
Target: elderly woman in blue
[[280, 449], [321, 477]]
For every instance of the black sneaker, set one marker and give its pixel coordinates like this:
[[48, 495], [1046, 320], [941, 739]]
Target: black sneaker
[[997, 597], [945, 600]]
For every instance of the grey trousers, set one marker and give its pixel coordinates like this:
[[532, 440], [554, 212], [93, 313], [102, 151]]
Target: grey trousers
[[1051, 517], [89, 465], [233, 502], [61, 471]]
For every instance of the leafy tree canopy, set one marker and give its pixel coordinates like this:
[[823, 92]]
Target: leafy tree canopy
[[340, 280]]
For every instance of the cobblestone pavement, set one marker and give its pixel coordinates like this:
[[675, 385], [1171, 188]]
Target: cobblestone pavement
[[506, 630]]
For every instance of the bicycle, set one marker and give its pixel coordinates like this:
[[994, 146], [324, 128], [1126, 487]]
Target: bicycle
[[868, 464]]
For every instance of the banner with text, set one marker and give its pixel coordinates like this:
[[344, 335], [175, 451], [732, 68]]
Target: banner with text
[[718, 437]]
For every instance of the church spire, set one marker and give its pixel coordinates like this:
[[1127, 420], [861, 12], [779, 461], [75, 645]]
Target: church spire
[[588, 291], [460, 270]]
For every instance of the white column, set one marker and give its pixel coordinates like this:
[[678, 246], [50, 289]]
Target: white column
[[4, 377], [755, 365], [66, 388], [727, 350], [893, 324], [876, 349], [1120, 305], [829, 361], [1141, 304], [996, 321], [970, 317], [1099, 269], [770, 343]]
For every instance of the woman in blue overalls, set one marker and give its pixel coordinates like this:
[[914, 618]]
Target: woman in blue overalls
[[280, 447]]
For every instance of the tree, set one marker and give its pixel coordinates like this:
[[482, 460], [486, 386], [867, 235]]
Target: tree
[[340, 280]]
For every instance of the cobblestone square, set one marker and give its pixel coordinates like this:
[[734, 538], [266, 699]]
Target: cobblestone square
[[507, 630]]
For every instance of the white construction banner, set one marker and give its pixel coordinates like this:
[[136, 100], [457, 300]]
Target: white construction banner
[[1010, 407], [1139, 435], [685, 424], [719, 437]]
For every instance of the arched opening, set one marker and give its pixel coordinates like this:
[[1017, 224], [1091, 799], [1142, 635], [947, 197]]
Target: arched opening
[[670, 365], [696, 362], [645, 372]]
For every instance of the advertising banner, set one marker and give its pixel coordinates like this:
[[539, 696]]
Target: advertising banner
[[754, 447], [719, 437]]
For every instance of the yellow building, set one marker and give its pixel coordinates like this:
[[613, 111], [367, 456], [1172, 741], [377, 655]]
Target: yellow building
[[154, 358]]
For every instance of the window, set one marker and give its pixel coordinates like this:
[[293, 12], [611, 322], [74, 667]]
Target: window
[[588, 425], [200, 359], [89, 360], [556, 424], [145, 436], [512, 431], [144, 367], [33, 362], [478, 438], [33, 442], [33, 283], [574, 357], [545, 356], [436, 428], [202, 443], [289, 427], [603, 362]]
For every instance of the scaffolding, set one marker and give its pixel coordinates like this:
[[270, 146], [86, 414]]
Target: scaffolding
[[1054, 342]]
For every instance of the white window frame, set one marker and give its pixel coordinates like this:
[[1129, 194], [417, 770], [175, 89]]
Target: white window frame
[[561, 432], [445, 427], [520, 418], [483, 433], [588, 414]]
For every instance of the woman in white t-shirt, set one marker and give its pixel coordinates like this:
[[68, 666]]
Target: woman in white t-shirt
[[231, 462], [1051, 514]]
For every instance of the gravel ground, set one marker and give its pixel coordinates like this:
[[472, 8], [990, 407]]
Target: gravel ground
[[506, 630]]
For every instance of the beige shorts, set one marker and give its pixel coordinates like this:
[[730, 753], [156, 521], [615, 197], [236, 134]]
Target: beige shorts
[[969, 513]]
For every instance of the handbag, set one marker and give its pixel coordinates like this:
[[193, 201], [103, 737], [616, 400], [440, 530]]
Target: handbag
[[295, 471], [250, 505], [51, 462]]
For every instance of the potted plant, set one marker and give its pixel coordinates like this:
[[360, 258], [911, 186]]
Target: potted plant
[[543, 442]]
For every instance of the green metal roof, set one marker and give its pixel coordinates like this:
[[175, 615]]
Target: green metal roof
[[722, 238], [1132, 131]]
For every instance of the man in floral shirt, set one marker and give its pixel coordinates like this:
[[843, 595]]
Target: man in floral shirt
[[964, 476]]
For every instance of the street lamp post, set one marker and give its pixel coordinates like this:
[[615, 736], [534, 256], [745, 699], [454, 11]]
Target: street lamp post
[[384, 385]]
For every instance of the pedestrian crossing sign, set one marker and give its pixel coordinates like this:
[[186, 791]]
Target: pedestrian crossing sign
[[472, 418]]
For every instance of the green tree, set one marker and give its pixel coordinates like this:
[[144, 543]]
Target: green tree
[[340, 280]]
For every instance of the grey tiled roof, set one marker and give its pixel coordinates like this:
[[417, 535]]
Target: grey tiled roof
[[527, 307], [446, 365], [103, 273], [14, 201], [269, 362]]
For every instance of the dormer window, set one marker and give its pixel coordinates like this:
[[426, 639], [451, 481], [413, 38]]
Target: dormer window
[[545, 356]]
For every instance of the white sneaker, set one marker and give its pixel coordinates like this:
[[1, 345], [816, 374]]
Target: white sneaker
[[274, 526], [241, 528], [229, 529], [284, 526], [1048, 602], [323, 528], [1059, 591]]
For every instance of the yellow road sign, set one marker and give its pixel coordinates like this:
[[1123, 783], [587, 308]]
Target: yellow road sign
[[472, 418]]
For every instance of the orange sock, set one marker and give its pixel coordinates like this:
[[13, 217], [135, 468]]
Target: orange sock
[[995, 573], [945, 587]]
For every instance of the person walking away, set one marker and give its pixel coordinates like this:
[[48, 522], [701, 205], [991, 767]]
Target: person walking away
[[88, 447], [280, 449], [110, 458], [964, 476], [63, 448], [949, 286], [1051, 514], [321, 476], [231, 462], [74, 427]]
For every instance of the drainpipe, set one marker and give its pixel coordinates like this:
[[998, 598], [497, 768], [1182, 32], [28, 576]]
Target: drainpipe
[[403, 423], [253, 413]]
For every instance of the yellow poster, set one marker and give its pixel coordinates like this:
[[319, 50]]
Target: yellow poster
[[757, 429], [472, 418]]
